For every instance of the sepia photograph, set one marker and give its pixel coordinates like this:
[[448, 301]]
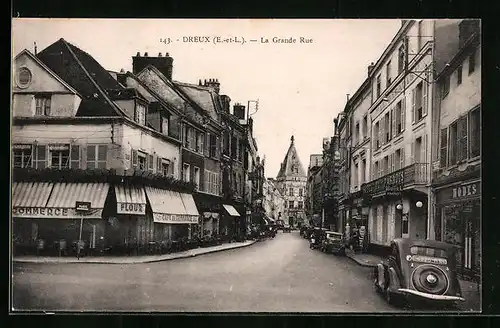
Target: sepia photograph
[[245, 166]]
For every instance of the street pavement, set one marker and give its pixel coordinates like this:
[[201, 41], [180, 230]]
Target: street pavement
[[275, 275]]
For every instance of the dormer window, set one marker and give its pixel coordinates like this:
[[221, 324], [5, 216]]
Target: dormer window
[[23, 78], [140, 114], [42, 105]]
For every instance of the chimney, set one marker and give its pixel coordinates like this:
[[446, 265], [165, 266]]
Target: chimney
[[225, 100], [239, 111], [213, 84], [370, 68], [163, 63]]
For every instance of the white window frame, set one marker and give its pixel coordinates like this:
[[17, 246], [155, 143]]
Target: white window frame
[[60, 158], [23, 151], [96, 159], [43, 103], [197, 176]]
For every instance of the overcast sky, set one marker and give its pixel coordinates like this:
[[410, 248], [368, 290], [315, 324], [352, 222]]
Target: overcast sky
[[301, 87]]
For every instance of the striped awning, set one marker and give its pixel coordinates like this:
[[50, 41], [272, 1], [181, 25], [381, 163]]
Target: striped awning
[[130, 200], [189, 204], [231, 210], [65, 196], [29, 199], [168, 207]]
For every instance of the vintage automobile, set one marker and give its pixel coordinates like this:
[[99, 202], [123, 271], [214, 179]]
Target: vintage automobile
[[333, 243], [316, 238], [286, 228], [423, 270]]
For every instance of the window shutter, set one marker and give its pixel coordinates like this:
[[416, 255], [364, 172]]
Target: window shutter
[[425, 92], [393, 116], [393, 162], [443, 148], [413, 104], [465, 144], [425, 157], [217, 146], [412, 154], [159, 165], [150, 162], [403, 113], [207, 144], [382, 131], [134, 160], [202, 143], [153, 165], [171, 168], [379, 137], [402, 158]]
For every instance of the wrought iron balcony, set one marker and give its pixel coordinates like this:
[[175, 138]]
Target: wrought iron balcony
[[414, 174]]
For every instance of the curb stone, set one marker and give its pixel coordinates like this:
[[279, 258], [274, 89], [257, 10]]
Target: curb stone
[[189, 255]]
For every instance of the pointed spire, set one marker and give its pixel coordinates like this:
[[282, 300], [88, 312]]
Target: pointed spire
[[291, 139]]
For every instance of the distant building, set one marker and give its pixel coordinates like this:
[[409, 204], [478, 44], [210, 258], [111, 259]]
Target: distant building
[[291, 180], [274, 200]]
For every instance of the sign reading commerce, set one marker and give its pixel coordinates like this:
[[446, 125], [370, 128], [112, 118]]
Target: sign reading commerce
[[174, 218], [55, 213]]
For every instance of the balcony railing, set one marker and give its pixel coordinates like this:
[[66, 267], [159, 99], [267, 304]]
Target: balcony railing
[[410, 175]]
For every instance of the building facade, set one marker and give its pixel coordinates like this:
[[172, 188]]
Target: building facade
[[292, 180], [274, 201], [313, 202], [87, 163], [456, 148]]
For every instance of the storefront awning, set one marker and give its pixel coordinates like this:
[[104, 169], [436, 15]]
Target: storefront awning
[[231, 210], [189, 204], [168, 207], [130, 200], [78, 200], [29, 199]]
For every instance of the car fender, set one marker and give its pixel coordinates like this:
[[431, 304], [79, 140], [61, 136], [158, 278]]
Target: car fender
[[394, 282], [381, 276]]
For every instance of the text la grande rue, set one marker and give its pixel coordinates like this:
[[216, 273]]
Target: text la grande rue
[[286, 40]]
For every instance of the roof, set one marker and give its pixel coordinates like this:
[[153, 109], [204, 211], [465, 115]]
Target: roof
[[290, 163], [467, 48], [125, 94], [82, 72], [202, 96], [39, 62]]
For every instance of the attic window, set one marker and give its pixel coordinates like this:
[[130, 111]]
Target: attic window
[[23, 77]]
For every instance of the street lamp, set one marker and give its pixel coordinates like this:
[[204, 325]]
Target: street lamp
[[419, 204]]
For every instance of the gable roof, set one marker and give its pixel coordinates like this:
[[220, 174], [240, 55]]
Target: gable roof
[[47, 69], [85, 75], [290, 162], [203, 96]]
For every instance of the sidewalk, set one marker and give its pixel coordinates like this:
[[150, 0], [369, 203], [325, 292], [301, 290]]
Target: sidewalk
[[133, 259], [471, 291]]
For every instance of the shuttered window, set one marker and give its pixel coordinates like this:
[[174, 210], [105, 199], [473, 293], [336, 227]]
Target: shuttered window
[[462, 146], [452, 144], [443, 148], [22, 155], [402, 158], [96, 156], [151, 163], [475, 132], [75, 157]]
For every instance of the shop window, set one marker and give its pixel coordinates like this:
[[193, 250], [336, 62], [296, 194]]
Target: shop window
[[22, 155], [42, 105], [96, 156], [475, 132], [59, 156]]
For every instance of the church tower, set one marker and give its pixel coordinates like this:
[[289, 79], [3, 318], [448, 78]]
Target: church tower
[[291, 180]]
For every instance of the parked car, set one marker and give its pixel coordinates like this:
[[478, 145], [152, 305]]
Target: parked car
[[423, 270], [317, 237], [287, 228], [333, 243]]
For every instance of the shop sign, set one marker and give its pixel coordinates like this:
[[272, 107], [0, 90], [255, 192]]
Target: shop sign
[[459, 192], [54, 213], [82, 206], [174, 218], [463, 191], [59, 147], [131, 208]]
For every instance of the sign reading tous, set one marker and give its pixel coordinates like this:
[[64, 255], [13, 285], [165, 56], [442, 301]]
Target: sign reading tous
[[131, 208]]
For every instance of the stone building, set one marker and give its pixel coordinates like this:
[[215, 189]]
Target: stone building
[[456, 147], [274, 201], [292, 180]]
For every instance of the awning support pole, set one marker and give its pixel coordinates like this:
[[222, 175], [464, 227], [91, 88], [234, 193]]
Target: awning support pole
[[79, 239]]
